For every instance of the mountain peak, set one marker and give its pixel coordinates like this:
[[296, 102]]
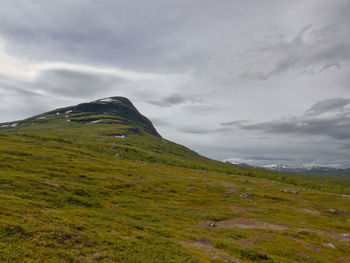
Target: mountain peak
[[110, 110], [115, 106]]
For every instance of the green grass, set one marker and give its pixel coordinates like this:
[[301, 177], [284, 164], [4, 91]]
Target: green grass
[[66, 197]]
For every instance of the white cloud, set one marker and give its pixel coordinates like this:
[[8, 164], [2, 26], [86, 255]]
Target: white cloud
[[15, 67]]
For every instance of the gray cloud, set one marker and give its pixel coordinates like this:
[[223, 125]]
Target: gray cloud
[[328, 105], [312, 50], [169, 101], [197, 130], [130, 34], [336, 125], [17, 102], [203, 108], [159, 122], [333, 127], [264, 158], [72, 83], [8, 87], [235, 123]]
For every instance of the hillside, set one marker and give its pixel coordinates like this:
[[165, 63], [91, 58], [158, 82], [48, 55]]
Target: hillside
[[97, 183]]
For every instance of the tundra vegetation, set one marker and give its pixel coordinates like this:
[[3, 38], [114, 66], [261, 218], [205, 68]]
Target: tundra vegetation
[[76, 190]]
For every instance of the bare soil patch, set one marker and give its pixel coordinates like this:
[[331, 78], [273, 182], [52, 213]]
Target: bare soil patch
[[244, 223], [204, 245]]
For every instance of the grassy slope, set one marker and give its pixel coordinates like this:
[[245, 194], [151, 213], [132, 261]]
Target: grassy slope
[[142, 146], [65, 197]]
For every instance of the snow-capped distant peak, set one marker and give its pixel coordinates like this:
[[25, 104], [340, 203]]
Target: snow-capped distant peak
[[306, 168], [278, 166]]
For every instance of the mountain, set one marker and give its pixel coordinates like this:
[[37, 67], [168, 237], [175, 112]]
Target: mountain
[[96, 182], [112, 125], [107, 110], [315, 170]]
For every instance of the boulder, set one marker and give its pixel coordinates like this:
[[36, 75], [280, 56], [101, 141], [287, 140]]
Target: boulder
[[333, 211], [293, 191], [212, 224], [246, 195], [346, 235], [331, 245]]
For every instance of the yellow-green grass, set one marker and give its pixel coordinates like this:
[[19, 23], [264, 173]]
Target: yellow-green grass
[[65, 199], [142, 146], [73, 192]]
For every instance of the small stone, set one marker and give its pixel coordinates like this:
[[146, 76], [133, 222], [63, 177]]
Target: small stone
[[333, 211], [290, 191], [192, 189], [116, 155], [246, 195], [244, 181], [346, 235], [331, 245], [212, 224]]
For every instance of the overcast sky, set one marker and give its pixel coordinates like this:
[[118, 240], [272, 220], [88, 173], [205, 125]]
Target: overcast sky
[[264, 81]]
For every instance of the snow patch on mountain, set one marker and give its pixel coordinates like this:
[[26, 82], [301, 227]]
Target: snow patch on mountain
[[105, 100], [96, 121]]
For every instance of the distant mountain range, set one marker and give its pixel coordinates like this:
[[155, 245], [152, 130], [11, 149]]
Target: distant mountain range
[[316, 170], [321, 170]]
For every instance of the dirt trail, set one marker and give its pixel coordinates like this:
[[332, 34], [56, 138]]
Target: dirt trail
[[244, 224]]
